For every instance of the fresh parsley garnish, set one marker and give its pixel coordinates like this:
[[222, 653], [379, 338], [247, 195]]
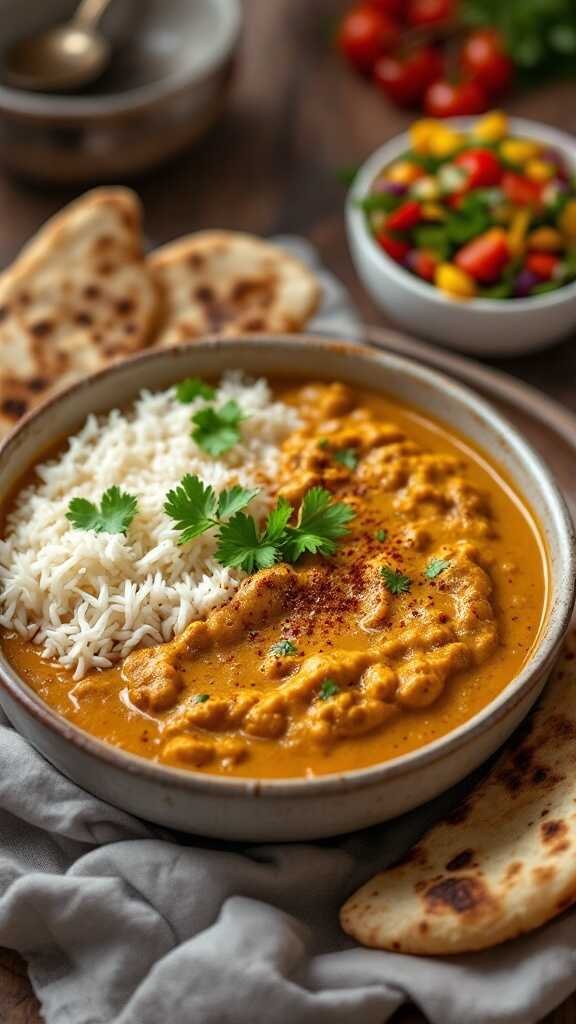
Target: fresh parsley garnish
[[395, 581], [114, 515], [194, 387], [328, 689], [195, 507], [320, 523], [216, 431], [347, 457], [283, 649], [200, 698], [435, 567], [381, 535]]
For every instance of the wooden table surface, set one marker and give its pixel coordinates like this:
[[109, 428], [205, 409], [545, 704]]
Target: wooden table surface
[[296, 117]]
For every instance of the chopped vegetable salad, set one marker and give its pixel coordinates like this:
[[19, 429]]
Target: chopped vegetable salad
[[479, 213]]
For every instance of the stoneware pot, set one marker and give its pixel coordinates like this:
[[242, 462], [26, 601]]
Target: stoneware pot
[[167, 82], [300, 808], [495, 327]]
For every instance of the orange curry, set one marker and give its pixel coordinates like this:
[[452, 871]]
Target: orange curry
[[430, 607]]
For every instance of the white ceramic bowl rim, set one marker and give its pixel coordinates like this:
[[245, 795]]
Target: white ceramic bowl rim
[[542, 658], [399, 144], [229, 16]]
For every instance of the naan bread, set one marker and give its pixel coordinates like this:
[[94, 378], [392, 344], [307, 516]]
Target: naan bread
[[503, 863], [230, 283], [79, 296]]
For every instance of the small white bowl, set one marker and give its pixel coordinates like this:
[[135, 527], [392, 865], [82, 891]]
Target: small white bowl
[[489, 327]]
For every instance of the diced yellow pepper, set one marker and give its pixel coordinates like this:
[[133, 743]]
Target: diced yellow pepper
[[404, 173], [539, 170], [567, 219], [421, 132], [445, 141], [431, 211], [492, 127], [455, 282], [545, 240], [518, 228], [519, 151]]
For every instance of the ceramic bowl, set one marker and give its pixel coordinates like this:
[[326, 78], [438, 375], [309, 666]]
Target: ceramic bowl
[[305, 808], [486, 327], [167, 82]]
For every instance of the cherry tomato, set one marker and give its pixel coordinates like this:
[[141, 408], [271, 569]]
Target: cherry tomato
[[404, 217], [520, 190], [446, 99], [405, 78], [395, 248], [484, 59], [543, 264], [365, 34], [482, 167], [423, 263], [430, 12], [484, 257], [393, 8]]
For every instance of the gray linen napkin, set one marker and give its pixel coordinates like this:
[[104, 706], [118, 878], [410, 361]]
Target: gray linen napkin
[[123, 923]]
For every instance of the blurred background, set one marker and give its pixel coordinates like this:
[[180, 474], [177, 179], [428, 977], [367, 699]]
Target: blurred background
[[253, 115]]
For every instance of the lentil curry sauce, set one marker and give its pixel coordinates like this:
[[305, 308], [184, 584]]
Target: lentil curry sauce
[[430, 607]]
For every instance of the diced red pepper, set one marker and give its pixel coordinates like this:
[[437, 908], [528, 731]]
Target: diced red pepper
[[520, 190], [396, 249], [423, 263], [485, 257], [482, 167], [405, 217], [543, 264]]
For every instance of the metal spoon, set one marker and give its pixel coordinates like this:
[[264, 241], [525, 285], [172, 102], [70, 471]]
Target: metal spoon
[[62, 58]]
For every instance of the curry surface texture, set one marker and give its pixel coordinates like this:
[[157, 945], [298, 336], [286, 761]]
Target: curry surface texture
[[366, 673]]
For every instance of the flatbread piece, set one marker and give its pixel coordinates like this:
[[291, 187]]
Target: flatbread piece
[[79, 296], [503, 863], [230, 283]]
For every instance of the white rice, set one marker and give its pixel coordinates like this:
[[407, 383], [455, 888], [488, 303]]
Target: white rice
[[88, 599]]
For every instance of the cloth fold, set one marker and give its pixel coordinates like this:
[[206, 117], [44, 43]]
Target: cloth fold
[[124, 923]]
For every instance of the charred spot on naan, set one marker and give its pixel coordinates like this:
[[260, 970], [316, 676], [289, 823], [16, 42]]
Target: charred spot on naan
[[462, 894]]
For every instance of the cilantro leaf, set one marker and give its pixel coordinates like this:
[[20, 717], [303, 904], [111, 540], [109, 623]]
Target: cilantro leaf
[[395, 581], [435, 567], [381, 535], [277, 521], [200, 698], [116, 512], [347, 457], [328, 689], [241, 546], [192, 506], [321, 522], [283, 648], [194, 387], [216, 431], [235, 500]]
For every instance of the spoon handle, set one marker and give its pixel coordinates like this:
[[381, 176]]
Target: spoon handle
[[89, 12]]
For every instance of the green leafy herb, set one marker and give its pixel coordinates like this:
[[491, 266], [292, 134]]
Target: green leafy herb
[[435, 567], [379, 202], [433, 237], [194, 387], [346, 175], [283, 648], [381, 535], [395, 581], [195, 508], [116, 512], [321, 523], [347, 457], [217, 430], [200, 698], [540, 35], [328, 689]]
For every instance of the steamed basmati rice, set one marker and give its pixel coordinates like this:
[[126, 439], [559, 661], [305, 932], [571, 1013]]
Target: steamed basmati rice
[[88, 599]]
